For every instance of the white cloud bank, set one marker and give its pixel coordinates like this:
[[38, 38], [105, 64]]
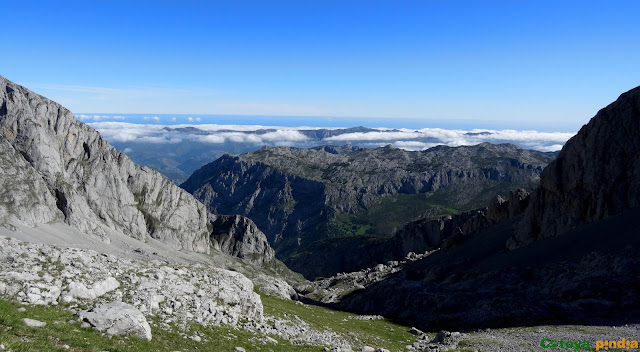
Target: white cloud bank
[[292, 136], [543, 141]]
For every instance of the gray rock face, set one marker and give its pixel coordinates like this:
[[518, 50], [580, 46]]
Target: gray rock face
[[597, 174], [56, 167], [93, 183], [240, 237], [118, 318], [24, 196], [299, 197]]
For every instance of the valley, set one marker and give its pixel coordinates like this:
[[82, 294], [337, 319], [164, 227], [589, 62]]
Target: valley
[[485, 247]]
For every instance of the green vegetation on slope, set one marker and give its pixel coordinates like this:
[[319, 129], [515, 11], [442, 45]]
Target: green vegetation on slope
[[63, 333]]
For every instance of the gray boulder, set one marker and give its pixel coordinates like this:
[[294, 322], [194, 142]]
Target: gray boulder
[[33, 323], [118, 318]]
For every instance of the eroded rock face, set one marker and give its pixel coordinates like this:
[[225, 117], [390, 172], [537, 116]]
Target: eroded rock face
[[94, 184], [240, 237], [24, 196], [597, 174], [118, 318], [304, 198], [55, 167]]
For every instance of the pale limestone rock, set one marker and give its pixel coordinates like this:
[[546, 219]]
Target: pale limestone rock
[[118, 318]]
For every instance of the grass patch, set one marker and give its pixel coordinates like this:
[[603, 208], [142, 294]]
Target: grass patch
[[63, 333]]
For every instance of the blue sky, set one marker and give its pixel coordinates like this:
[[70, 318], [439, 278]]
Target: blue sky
[[545, 63]]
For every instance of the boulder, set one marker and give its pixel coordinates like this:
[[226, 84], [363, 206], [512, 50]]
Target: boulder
[[33, 323], [118, 318]]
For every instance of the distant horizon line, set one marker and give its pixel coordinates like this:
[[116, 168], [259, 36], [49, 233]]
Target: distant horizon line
[[334, 121]]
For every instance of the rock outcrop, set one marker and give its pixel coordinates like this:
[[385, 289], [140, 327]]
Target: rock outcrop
[[58, 168], [46, 275], [118, 318], [596, 175], [124, 293], [240, 237]]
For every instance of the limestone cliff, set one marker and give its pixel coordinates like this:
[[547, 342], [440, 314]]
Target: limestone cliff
[[56, 167], [596, 175], [240, 237]]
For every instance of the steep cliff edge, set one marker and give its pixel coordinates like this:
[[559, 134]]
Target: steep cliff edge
[[596, 175], [69, 172]]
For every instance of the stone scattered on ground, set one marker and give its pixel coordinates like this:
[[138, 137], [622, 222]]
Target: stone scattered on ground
[[33, 323], [118, 318], [39, 274]]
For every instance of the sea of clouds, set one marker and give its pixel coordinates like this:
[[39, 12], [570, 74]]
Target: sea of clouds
[[261, 135]]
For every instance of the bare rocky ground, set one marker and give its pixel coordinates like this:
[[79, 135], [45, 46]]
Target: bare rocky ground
[[181, 288], [530, 338], [177, 287]]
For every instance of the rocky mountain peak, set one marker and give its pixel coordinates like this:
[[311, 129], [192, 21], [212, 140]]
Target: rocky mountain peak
[[80, 179], [597, 174]]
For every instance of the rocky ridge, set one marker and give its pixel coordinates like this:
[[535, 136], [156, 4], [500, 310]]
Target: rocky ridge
[[415, 241], [596, 175], [574, 250], [89, 184], [298, 197], [418, 236]]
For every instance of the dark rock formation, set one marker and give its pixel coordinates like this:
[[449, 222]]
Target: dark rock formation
[[597, 174], [240, 237], [417, 236], [574, 256]]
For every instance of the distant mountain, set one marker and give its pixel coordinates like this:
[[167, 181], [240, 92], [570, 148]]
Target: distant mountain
[[178, 150], [316, 200], [177, 161], [571, 258]]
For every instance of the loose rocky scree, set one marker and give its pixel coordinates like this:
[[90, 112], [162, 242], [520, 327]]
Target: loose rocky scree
[[176, 295]]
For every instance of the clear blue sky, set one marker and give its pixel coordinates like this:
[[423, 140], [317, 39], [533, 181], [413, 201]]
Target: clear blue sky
[[548, 62]]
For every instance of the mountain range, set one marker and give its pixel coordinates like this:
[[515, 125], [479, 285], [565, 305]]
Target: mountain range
[[456, 238], [317, 203]]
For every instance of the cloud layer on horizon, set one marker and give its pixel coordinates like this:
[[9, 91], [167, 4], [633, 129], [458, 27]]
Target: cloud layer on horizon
[[259, 135]]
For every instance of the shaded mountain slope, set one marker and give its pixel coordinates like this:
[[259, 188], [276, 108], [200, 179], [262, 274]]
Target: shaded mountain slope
[[588, 275], [301, 197], [596, 174]]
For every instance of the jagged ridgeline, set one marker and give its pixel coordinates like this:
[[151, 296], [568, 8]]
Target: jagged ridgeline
[[56, 168], [335, 199]]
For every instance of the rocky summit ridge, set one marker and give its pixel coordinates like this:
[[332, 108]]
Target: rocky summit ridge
[[58, 168]]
